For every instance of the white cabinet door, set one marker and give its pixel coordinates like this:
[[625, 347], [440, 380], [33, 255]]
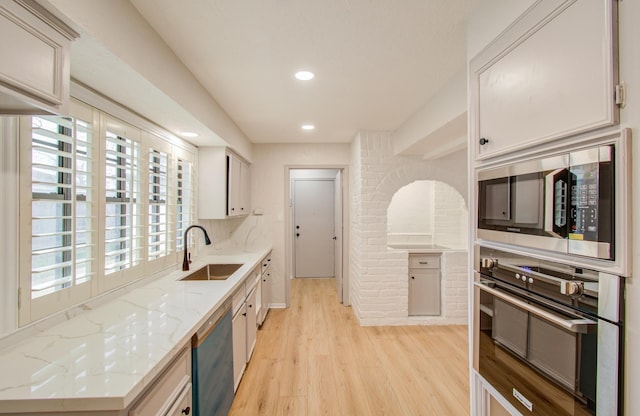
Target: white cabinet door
[[252, 324], [259, 306], [34, 69], [239, 345], [266, 293], [238, 186], [234, 183], [183, 405], [212, 183], [223, 184], [168, 389], [245, 187], [550, 75]]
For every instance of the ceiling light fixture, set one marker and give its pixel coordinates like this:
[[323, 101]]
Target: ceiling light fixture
[[308, 127], [304, 75], [189, 134]]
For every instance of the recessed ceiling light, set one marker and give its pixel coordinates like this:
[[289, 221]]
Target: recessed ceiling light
[[189, 134], [304, 75], [308, 127]]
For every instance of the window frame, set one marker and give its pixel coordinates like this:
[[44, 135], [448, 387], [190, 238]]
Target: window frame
[[190, 157], [149, 137], [30, 309], [168, 260]]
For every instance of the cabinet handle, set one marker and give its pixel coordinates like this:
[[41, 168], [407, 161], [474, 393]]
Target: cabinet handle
[[483, 141], [251, 306], [424, 262], [244, 314], [413, 277], [186, 410]]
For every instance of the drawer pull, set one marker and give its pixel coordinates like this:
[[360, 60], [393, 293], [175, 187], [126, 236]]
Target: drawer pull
[[423, 262], [186, 410]]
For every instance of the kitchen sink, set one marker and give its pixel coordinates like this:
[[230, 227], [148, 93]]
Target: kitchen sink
[[213, 272]]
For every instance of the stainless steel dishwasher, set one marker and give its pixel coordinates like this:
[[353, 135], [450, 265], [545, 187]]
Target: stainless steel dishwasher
[[212, 364]]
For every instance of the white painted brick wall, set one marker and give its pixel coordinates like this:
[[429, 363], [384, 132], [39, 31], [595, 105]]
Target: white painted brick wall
[[379, 276]]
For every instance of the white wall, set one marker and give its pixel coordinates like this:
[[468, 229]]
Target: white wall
[[428, 212], [411, 209], [117, 26], [439, 126], [451, 217], [490, 18], [313, 173]]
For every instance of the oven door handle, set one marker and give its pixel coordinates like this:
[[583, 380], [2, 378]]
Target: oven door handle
[[572, 325]]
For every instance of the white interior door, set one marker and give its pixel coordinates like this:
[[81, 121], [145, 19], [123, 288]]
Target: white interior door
[[313, 216]]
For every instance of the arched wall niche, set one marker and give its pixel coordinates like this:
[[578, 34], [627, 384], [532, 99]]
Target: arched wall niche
[[425, 213]]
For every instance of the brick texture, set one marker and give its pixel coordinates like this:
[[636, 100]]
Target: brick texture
[[379, 276]]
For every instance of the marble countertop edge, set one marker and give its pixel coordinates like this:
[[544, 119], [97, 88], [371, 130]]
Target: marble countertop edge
[[104, 358]]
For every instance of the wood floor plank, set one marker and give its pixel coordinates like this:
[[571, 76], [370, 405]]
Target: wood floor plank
[[314, 359]]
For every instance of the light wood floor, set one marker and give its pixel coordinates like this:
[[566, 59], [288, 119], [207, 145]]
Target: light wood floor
[[314, 359]]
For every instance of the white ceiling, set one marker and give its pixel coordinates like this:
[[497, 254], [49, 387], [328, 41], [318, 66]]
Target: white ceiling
[[376, 61]]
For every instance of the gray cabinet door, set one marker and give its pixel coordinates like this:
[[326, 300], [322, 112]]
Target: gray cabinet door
[[424, 292]]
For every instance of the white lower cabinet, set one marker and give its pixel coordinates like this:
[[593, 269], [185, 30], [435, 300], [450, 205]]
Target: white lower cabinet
[[171, 392], [182, 406], [239, 345], [265, 288], [245, 324], [252, 324]]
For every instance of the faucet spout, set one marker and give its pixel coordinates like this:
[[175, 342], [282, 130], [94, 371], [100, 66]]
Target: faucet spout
[[207, 241]]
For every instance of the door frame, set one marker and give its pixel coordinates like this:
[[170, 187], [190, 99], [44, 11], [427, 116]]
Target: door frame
[[289, 226]]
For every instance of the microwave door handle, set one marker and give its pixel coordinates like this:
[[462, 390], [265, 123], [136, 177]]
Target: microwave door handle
[[572, 325], [551, 200], [510, 196]]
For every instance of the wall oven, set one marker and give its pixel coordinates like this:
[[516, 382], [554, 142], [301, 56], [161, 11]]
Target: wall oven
[[548, 336], [566, 202]]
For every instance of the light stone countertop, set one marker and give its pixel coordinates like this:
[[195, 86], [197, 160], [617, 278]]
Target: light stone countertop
[[105, 357], [423, 248]]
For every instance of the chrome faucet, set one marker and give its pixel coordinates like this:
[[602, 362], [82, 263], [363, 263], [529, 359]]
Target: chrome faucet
[[187, 257]]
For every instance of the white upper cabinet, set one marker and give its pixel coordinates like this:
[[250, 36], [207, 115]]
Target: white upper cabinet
[[238, 191], [34, 69], [223, 184], [551, 74]]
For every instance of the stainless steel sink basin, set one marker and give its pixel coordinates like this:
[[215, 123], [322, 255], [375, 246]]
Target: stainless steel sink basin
[[213, 272]]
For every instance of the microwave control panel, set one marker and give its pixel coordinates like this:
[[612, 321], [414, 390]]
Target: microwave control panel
[[584, 202]]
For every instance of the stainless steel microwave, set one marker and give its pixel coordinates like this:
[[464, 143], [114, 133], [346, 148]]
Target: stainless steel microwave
[[564, 203]]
